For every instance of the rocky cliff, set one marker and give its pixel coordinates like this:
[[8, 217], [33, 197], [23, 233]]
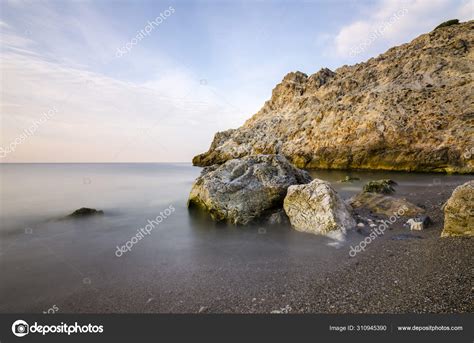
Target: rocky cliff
[[409, 109]]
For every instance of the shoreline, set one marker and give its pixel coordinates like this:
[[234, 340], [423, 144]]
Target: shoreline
[[217, 269]]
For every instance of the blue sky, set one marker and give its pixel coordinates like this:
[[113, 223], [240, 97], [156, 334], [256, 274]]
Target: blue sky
[[207, 66]]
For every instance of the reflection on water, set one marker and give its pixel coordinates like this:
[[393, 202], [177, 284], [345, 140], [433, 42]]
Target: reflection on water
[[44, 259]]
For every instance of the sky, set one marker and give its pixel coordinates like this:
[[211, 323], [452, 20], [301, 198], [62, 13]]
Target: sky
[[152, 81]]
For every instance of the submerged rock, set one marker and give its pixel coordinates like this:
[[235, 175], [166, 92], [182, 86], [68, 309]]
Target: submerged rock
[[406, 109], [459, 212], [385, 204], [85, 212], [242, 190], [380, 186], [317, 208], [349, 179]]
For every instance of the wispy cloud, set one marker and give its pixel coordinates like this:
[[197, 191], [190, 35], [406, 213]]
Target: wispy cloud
[[393, 22], [168, 116], [102, 112], [4, 25]]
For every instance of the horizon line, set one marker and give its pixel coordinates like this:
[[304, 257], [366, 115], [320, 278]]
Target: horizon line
[[89, 162]]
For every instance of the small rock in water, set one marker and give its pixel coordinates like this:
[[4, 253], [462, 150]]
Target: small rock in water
[[85, 212], [360, 224], [349, 179]]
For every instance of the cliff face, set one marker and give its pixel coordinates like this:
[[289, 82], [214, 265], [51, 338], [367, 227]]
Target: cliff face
[[409, 109]]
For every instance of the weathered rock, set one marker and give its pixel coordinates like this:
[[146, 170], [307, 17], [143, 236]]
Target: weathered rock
[[317, 208], [459, 212], [385, 204], [85, 212], [380, 186], [408, 109], [242, 190]]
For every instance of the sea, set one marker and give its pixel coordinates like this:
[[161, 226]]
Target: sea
[[148, 252]]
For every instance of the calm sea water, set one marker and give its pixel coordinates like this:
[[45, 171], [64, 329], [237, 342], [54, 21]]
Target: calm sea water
[[45, 261]]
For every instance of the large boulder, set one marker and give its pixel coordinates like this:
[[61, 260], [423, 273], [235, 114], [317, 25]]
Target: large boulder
[[459, 212], [241, 190], [385, 204], [317, 208]]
